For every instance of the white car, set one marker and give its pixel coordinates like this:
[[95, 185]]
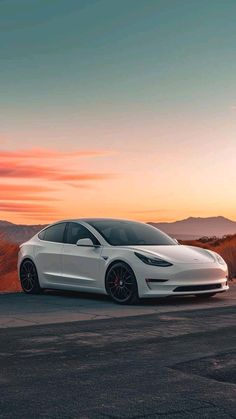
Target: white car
[[125, 259]]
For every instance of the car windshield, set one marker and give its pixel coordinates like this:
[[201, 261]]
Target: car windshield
[[126, 233]]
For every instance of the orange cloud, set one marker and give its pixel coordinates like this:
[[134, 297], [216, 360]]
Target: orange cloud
[[83, 176], [19, 164], [15, 169], [16, 197], [24, 192], [5, 188], [38, 153], [151, 211], [26, 208]]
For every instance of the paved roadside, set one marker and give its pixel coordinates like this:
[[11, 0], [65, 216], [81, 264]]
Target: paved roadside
[[163, 365], [17, 310]]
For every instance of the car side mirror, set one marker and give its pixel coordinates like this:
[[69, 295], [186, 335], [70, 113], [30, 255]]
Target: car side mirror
[[85, 242]]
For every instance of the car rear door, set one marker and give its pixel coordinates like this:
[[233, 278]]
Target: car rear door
[[81, 265], [48, 254]]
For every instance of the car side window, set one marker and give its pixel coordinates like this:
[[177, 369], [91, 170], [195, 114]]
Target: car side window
[[41, 235], [76, 231], [54, 233]]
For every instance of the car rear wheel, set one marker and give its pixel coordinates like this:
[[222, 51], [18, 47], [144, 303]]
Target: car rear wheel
[[121, 284], [29, 278]]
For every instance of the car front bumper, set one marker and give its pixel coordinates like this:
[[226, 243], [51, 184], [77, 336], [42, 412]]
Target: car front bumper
[[184, 279]]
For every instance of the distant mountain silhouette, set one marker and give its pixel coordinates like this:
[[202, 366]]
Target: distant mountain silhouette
[[18, 233], [195, 227], [190, 228]]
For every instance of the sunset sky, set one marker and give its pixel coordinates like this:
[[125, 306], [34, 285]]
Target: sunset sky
[[117, 108]]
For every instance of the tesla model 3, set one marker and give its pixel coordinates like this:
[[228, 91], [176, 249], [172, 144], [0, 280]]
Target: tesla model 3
[[125, 259]]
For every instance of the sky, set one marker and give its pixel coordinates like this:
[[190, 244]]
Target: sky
[[117, 108]]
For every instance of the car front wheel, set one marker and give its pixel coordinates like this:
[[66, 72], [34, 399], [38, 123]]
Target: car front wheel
[[121, 284], [29, 278]]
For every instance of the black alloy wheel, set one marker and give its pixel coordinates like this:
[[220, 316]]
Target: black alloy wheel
[[121, 284], [29, 278]]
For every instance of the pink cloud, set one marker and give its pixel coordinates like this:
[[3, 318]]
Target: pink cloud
[[18, 165], [38, 153], [26, 208]]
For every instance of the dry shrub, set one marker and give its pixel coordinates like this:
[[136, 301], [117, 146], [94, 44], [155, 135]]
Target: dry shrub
[[9, 282], [8, 267], [226, 247]]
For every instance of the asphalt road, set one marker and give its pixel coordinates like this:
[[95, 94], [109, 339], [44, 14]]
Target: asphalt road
[[59, 307], [178, 362]]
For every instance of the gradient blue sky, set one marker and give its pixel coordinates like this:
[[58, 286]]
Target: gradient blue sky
[[149, 86]]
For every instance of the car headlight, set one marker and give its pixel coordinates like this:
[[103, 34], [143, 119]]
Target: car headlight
[[220, 259], [152, 261]]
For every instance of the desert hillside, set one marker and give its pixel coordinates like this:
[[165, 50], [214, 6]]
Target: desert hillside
[[226, 247], [18, 233], [8, 270]]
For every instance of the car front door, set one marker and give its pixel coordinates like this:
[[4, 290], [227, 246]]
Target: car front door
[[81, 265]]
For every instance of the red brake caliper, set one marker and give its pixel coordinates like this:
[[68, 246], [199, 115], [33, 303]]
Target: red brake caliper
[[116, 283]]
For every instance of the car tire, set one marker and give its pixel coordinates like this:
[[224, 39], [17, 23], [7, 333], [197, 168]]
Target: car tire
[[121, 284], [29, 278]]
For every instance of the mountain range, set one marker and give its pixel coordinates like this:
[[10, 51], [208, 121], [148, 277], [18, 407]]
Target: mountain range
[[196, 227], [18, 233], [189, 228]]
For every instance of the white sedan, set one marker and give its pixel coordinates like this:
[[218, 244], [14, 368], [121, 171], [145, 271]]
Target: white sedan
[[125, 259]]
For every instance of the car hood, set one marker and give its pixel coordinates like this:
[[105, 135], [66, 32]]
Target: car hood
[[178, 253]]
